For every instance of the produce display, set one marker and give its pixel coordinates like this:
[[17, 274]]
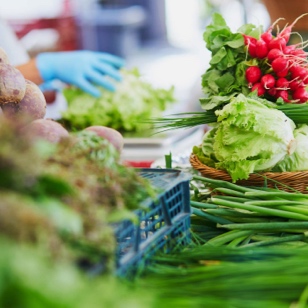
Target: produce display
[[61, 193], [62, 186], [255, 99]]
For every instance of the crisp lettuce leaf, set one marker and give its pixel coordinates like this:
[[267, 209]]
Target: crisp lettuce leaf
[[251, 137], [124, 110], [298, 161]]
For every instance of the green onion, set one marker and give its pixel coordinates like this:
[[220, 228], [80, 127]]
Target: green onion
[[183, 120], [203, 205], [215, 219], [266, 226], [259, 209], [228, 236]]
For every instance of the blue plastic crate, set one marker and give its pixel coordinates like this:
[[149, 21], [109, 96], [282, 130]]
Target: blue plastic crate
[[163, 226]]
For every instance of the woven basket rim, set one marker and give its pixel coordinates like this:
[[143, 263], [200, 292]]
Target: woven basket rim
[[286, 178]]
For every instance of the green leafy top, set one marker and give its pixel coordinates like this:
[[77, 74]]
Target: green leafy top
[[225, 77]]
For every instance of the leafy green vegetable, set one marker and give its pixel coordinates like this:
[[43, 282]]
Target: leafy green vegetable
[[125, 109], [226, 75], [298, 161], [250, 137]]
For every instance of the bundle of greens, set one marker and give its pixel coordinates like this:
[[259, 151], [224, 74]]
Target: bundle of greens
[[124, 110]]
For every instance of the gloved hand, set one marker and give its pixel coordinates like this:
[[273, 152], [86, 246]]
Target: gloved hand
[[82, 69]]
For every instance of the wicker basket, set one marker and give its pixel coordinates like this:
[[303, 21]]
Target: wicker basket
[[290, 181]]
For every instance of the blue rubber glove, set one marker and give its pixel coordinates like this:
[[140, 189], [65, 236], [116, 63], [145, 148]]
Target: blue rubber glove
[[82, 69]]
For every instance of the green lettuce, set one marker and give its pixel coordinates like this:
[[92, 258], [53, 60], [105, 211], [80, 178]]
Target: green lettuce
[[298, 161], [124, 110], [250, 137]]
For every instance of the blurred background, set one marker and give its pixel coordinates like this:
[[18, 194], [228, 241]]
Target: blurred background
[[163, 38]]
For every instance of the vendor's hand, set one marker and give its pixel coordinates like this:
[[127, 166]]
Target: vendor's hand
[[82, 69]]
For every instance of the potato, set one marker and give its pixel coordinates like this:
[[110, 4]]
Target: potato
[[45, 129], [3, 56], [110, 134], [12, 84], [30, 108]]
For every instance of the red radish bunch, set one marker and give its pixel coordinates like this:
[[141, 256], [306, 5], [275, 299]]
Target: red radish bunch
[[281, 70]]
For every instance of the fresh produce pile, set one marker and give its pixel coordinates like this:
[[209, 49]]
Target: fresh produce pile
[[61, 193], [124, 110], [244, 217], [255, 100]]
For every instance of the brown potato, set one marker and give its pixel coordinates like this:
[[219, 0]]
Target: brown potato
[[110, 134]]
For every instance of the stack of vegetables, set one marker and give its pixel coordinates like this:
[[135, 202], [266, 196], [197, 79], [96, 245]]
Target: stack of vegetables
[[255, 101], [60, 194]]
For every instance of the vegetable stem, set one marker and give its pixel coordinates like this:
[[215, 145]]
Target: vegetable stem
[[259, 209]]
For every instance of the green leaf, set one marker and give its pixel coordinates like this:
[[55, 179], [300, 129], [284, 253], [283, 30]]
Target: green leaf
[[219, 56], [225, 81]]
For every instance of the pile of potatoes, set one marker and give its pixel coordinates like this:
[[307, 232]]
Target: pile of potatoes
[[23, 102]]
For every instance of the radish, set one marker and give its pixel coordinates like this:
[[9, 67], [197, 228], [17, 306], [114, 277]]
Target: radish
[[289, 49], [300, 94], [253, 75], [282, 83], [277, 43], [268, 81], [267, 36], [272, 92], [298, 53], [259, 88], [261, 49], [283, 73], [295, 83], [250, 42], [286, 32], [280, 64], [274, 54], [283, 94], [299, 72]]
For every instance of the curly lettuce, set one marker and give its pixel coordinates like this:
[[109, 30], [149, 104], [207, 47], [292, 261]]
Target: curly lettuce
[[124, 110], [249, 137]]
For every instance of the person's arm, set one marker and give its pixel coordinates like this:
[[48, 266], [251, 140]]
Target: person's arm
[[30, 71]]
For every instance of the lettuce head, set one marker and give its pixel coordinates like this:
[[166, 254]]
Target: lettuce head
[[251, 137]]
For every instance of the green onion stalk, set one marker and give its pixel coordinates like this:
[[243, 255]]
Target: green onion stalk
[[296, 112]]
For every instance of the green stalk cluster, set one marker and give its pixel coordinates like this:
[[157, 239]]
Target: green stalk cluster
[[248, 216]]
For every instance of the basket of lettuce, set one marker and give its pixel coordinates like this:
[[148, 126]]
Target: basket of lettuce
[[255, 101]]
